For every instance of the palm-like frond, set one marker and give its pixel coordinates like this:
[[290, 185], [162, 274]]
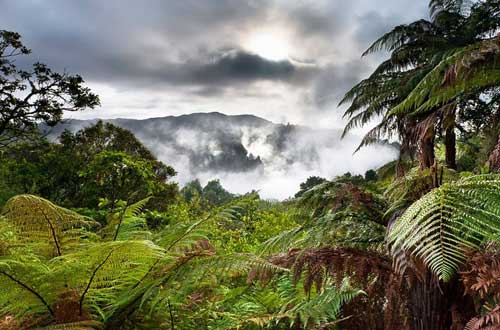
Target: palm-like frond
[[50, 228], [325, 307], [467, 70], [126, 223], [407, 189], [444, 223]]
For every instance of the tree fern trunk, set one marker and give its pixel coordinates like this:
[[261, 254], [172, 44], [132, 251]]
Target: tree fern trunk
[[438, 306], [426, 148], [450, 139], [450, 146], [494, 159]]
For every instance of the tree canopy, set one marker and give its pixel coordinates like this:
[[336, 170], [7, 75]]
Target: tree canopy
[[37, 95]]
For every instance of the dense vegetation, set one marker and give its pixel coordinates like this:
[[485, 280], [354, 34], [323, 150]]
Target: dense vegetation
[[94, 234]]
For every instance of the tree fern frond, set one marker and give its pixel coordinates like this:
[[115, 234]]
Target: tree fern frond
[[20, 293], [125, 223], [414, 184], [399, 36], [179, 236], [439, 227], [282, 242], [454, 6], [465, 70], [7, 236], [325, 306], [51, 228]]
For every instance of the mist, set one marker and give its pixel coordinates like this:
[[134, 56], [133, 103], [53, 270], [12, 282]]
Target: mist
[[307, 154], [288, 155]]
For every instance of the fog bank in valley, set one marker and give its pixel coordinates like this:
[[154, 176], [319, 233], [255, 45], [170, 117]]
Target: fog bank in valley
[[247, 152]]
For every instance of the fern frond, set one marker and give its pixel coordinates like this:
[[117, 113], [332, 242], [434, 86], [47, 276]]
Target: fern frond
[[182, 235], [399, 36], [126, 224], [99, 274], [326, 306], [20, 293], [7, 236], [53, 230], [440, 227], [465, 70], [282, 242], [414, 184]]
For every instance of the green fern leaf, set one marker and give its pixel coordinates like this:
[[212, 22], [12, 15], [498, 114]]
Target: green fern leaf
[[440, 227]]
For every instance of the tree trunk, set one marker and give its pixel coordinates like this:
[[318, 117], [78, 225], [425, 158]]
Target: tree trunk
[[426, 148], [439, 306], [451, 150], [494, 159], [450, 139]]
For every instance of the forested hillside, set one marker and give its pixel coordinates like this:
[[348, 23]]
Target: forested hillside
[[95, 232]]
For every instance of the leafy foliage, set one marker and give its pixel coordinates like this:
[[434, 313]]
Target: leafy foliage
[[439, 227], [29, 97], [50, 228]]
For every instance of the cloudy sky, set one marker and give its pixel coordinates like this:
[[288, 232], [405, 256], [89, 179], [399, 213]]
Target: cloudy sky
[[284, 60]]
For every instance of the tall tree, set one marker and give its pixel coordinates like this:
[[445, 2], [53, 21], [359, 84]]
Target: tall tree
[[400, 91], [37, 95]]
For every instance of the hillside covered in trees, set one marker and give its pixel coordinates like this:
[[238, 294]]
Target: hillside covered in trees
[[95, 232]]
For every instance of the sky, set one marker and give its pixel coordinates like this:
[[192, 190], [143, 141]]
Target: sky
[[288, 61]]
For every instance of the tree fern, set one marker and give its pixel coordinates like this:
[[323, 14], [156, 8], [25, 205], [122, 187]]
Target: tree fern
[[405, 190], [84, 282], [338, 213], [444, 223], [51, 229], [325, 307], [126, 223], [469, 69]]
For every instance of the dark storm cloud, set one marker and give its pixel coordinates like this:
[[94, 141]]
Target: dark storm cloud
[[212, 72], [244, 66], [193, 47]]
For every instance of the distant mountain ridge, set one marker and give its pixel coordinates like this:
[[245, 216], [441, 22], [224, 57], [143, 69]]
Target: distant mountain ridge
[[210, 141]]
